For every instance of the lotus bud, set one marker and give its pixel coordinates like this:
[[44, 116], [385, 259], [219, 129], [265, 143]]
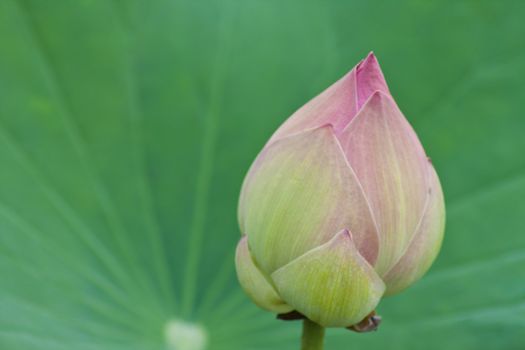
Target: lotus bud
[[341, 207]]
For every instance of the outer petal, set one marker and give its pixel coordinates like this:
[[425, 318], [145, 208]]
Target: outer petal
[[391, 165], [254, 283], [424, 246], [336, 105], [332, 285], [297, 195], [339, 103]]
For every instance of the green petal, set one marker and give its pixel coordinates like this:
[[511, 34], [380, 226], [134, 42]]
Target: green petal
[[297, 195], [425, 245], [332, 285], [254, 283]]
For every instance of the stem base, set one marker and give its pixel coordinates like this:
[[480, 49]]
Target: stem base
[[313, 336]]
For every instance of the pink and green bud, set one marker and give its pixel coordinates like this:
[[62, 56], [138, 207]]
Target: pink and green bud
[[341, 207]]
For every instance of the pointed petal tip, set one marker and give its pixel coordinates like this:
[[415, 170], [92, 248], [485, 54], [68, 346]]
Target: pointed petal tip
[[371, 56], [379, 94], [344, 234], [370, 63], [326, 126], [324, 130], [340, 238], [243, 239], [369, 78], [377, 98]]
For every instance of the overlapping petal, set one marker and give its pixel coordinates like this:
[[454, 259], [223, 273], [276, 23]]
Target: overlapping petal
[[369, 79], [339, 103], [425, 245], [332, 284], [347, 161], [390, 163], [254, 283], [297, 195]]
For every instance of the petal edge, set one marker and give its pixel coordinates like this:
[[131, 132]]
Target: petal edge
[[253, 282], [425, 245], [300, 192], [391, 165], [332, 284]]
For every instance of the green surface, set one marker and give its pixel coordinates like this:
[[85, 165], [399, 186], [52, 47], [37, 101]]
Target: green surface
[[126, 128]]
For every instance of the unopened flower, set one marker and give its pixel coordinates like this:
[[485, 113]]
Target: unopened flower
[[341, 207]]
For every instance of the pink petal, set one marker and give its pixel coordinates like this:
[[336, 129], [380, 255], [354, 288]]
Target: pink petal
[[338, 104], [391, 166], [369, 79]]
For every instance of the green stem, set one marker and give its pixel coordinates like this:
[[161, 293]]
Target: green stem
[[313, 335]]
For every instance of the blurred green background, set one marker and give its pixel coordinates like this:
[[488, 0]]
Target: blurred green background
[[126, 128]]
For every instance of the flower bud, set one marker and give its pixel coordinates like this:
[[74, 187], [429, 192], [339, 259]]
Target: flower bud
[[341, 207]]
